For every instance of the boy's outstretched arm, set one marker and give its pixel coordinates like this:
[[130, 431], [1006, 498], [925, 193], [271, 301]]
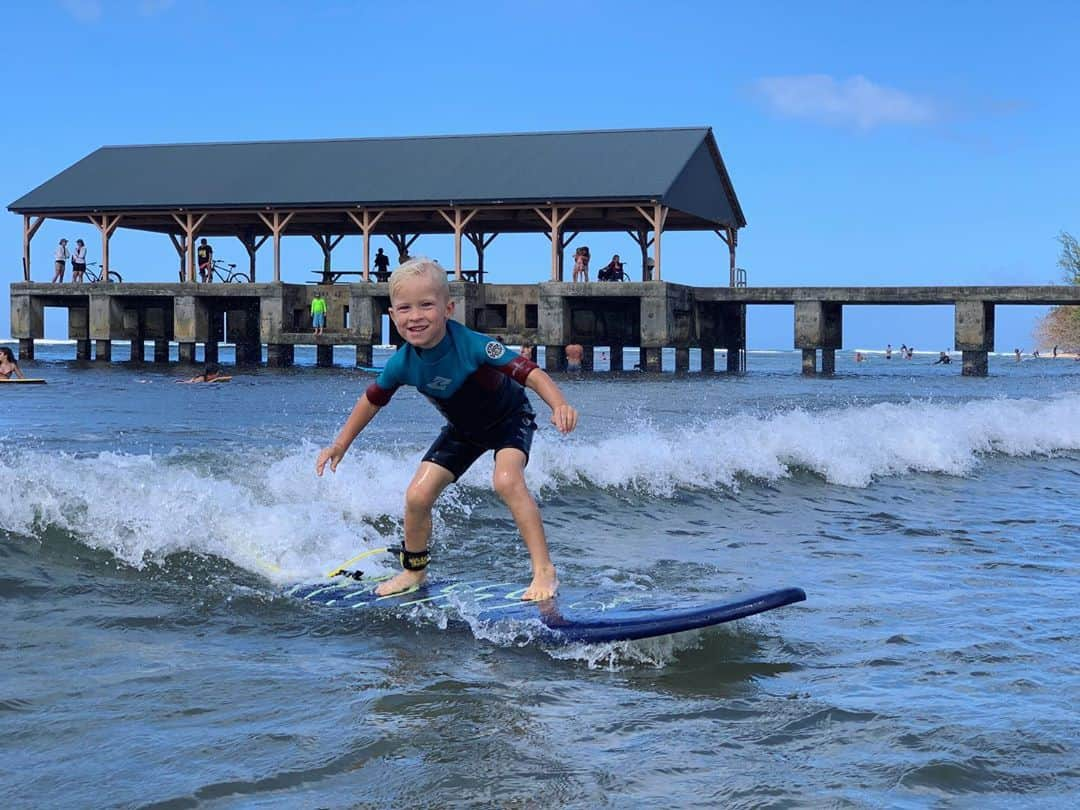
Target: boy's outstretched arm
[[362, 413], [563, 415]]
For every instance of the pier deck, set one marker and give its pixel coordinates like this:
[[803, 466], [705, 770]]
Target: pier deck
[[649, 315]]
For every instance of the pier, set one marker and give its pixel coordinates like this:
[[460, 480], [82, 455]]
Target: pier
[[651, 316], [647, 184]]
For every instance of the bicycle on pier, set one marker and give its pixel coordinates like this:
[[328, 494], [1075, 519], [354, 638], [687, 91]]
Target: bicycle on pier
[[93, 274], [227, 273]]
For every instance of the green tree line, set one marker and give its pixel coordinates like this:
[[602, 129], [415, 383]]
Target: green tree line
[[1061, 326]]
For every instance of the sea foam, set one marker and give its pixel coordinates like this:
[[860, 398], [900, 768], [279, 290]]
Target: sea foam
[[266, 511]]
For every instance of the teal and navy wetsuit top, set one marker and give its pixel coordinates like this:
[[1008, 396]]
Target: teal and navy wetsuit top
[[474, 380]]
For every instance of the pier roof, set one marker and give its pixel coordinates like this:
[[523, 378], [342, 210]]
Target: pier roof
[[604, 175]]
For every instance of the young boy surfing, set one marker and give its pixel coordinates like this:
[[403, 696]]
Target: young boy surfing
[[476, 383]]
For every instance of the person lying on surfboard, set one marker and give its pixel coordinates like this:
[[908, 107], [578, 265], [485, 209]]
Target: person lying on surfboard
[[478, 384], [8, 366], [212, 373]]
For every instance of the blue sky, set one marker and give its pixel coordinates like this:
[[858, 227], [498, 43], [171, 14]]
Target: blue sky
[[878, 144]]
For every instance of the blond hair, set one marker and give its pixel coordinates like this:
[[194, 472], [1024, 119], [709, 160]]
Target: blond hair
[[420, 266]]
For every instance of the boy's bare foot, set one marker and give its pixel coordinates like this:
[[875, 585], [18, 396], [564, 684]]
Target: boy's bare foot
[[544, 585], [402, 582]]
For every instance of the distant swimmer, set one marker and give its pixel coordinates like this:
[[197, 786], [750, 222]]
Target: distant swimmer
[[888, 351], [859, 357], [1018, 355], [574, 355], [8, 366], [212, 373], [943, 359]]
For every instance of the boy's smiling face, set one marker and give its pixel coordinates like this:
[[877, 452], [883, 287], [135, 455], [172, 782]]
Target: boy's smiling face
[[420, 308]]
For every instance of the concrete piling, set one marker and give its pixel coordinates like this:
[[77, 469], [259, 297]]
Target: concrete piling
[[708, 360], [974, 324]]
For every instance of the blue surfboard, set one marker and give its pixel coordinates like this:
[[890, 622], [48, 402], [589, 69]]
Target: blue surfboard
[[572, 616]]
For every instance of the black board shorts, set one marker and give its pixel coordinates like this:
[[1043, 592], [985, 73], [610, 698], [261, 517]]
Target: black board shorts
[[456, 451]]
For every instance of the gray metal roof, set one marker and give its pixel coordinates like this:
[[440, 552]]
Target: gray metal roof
[[678, 167]]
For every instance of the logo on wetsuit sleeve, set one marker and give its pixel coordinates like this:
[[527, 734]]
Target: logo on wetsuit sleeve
[[495, 350]]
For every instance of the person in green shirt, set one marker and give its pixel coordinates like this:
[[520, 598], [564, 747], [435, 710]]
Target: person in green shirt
[[318, 313]]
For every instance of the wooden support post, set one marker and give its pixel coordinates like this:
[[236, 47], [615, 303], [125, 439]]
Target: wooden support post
[[656, 219], [555, 221], [277, 223], [190, 224], [402, 241], [641, 236], [731, 239], [480, 243], [30, 227], [252, 245], [327, 242], [458, 222], [564, 242], [106, 224], [181, 250], [366, 222]]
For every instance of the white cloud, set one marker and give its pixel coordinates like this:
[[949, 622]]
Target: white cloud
[[856, 102], [83, 10], [89, 11], [149, 8]]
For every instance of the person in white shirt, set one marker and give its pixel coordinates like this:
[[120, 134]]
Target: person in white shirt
[[78, 261], [61, 261]]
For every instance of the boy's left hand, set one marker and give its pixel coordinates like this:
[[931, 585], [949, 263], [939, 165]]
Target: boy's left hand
[[332, 454], [564, 417]]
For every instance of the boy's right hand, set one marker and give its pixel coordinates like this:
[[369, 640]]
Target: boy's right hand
[[333, 454]]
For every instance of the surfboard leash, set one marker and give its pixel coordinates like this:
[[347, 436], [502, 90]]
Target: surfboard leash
[[340, 570], [410, 561]]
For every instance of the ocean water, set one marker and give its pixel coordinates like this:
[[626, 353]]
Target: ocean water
[[149, 656]]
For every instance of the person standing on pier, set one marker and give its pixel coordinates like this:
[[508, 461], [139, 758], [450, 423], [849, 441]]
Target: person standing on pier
[[318, 313], [478, 385], [205, 256], [382, 265], [581, 264], [78, 261], [61, 261]]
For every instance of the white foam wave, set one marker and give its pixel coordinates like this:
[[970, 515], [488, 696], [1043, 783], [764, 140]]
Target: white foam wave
[[655, 652], [848, 446], [267, 512], [268, 515]]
